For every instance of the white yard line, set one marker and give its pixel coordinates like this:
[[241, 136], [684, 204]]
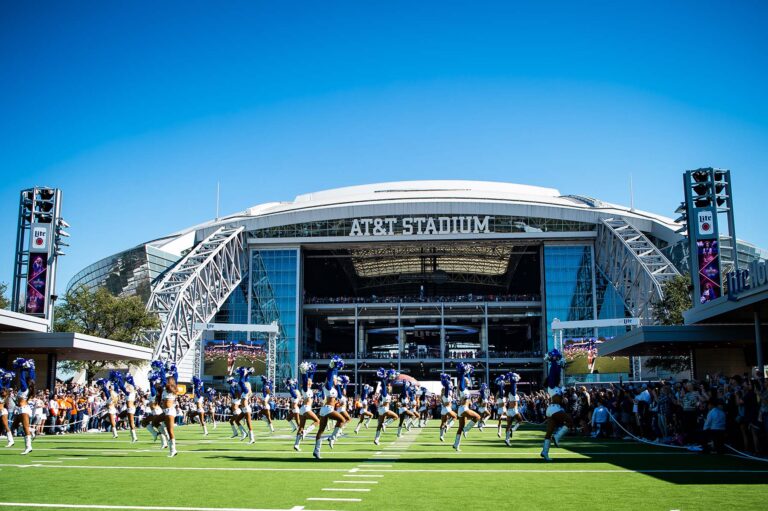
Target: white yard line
[[147, 508], [361, 475], [331, 499], [358, 490], [355, 482]]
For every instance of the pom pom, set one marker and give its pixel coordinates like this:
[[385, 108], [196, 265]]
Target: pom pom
[[304, 367], [554, 356], [18, 363], [344, 379], [337, 362], [392, 374], [381, 373], [513, 377]]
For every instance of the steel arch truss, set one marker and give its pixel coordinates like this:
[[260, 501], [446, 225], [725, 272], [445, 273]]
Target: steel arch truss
[[633, 265], [195, 289]]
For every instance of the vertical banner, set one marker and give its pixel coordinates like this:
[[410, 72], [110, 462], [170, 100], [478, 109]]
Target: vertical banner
[[710, 286], [37, 283]]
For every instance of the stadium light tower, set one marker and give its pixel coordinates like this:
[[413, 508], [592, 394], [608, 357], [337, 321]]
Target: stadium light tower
[[707, 197], [39, 234]]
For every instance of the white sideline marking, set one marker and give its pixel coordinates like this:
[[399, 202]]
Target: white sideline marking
[[359, 490], [377, 465], [375, 468], [151, 508], [356, 482], [361, 475], [353, 470], [334, 499], [49, 461]]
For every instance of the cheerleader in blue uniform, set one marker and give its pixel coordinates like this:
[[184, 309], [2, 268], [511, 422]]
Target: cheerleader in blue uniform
[[342, 405], [463, 374], [362, 406], [127, 387], [110, 400], [294, 404], [500, 401], [447, 415], [168, 398], [25, 368], [210, 394], [199, 389], [265, 402], [246, 394], [328, 410], [307, 372], [423, 412], [558, 421], [514, 417], [235, 412], [385, 398], [483, 405], [403, 408], [153, 420], [6, 379]]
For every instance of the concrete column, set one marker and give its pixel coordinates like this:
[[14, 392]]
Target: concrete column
[[51, 372], [442, 337], [758, 342], [400, 342]]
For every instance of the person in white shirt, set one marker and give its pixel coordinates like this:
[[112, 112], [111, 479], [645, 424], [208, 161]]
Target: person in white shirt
[[714, 427], [599, 420]]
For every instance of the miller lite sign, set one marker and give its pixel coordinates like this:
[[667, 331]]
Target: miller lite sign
[[39, 238], [706, 223]]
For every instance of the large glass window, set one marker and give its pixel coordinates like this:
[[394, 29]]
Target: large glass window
[[274, 294], [568, 285]]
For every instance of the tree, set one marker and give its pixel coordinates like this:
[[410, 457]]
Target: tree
[[102, 314], [669, 311], [4, 302]]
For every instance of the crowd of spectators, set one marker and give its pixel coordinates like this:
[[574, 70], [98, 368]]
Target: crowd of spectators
[[421, 298], [718, 410]]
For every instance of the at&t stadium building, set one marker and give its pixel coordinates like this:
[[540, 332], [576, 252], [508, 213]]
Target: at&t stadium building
[[414, 275]]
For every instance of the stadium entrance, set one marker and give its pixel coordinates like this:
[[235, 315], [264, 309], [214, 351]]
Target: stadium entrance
[[432, 303]]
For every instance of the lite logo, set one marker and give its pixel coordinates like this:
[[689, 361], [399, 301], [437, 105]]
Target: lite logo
[[706, 223]]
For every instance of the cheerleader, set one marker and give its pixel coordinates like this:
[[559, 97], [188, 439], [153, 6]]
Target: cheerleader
[[211, 396], [307, 371], [385, 387], [558, 421], [483, 405], [403, 410], [328, 410], [168, 397], [447, 415], [236, 413], [246, 393], [362, 406], [26, 372], [128, 388], [423, 413], [154, 421], [464, 372], [341, 404], [513, 409], [199, 389], [6, 378], [294, 417], [264, 401], [110, 396], [501, 400]]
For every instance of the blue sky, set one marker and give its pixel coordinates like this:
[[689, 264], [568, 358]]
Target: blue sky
[[137, 110]]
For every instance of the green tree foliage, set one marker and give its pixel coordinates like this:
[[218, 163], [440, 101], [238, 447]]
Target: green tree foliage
[[677, 299], [102, 314], [4, 302]]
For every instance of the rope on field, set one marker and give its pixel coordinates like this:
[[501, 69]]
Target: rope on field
[[745, 455], [693, 448]]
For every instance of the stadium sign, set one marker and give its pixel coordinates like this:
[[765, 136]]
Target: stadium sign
[[755, 277], [420, 225]]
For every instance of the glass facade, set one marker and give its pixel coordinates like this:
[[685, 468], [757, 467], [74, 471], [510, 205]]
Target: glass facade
[[568, 286], [127, 273], [496, 225], [274, 296], [609, 306]]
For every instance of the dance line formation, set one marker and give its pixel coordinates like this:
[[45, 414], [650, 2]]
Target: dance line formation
[[408, 406]]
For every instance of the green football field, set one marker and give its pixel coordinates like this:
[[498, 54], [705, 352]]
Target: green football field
[[415, 472]]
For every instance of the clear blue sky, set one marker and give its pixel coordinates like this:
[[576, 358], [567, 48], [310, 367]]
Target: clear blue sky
[[136, 110]]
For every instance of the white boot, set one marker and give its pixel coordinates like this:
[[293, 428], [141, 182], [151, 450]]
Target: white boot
[[235, 433], [172, 451], [251, 438], [316, 452], [376, 438], [293, 426], [205, 430], [442, 434], [367, 421], [27, 445], [297, 442], [508, 440], [134, 438], [498, 431], [243, 432], [114, 432], [357, 429], [559, 435], [517, 425], [545, 451], [469, 425], [457, 442], [399, 431], [9, 436]]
